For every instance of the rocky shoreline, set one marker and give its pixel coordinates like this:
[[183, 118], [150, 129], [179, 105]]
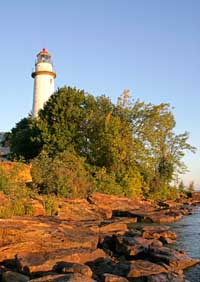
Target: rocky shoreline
[[104, 239]]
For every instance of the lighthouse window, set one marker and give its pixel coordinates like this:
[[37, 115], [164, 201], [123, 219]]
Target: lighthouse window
[[51, 80]]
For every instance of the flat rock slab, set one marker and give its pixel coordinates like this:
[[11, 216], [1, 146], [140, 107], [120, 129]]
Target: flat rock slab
[[74, 277], [158, 232], [12, 276], [38, 234], [167, 277], [139, 268], [128, 246], [117, 224], [41, 262], [113, 278], [177, 260], [67, 267], [162, 218]]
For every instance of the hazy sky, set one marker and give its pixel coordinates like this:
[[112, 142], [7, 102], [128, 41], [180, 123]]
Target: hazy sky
[[104, 46]]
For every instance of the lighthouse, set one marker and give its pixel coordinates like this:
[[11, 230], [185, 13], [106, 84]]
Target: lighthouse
[[43, 76]]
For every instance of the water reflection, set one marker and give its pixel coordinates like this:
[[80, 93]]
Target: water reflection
[[188, 235]]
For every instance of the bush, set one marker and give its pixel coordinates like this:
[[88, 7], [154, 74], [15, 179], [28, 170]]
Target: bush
[[4, 182], [166, 192], [105, 182], [51, 205], [65, 175], [16, 194]]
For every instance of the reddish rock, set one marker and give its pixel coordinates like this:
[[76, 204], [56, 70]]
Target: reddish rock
[[167, 277], [3, 198], [31, 234], [129, 246], [73, 277], [159, 232], [39, 262], [107, 277], [177, 260], [117, 203], [10, 276], [114, 227], [81, 209], [139, 268], [163, 218], [67, 267], [196, 197], [37, 206]]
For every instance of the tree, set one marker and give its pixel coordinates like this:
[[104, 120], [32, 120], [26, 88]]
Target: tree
[[131, 144], [23, 140], [61, 120], [159, 151]]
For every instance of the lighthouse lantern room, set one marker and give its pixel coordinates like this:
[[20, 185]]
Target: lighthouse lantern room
[[44, 76]]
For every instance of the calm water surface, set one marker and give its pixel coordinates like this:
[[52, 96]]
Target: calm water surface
[[188, 240]]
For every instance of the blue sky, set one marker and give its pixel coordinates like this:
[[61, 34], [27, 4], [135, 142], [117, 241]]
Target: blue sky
[[104, 46]]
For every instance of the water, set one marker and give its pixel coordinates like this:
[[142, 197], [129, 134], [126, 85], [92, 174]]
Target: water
[[188, 240]]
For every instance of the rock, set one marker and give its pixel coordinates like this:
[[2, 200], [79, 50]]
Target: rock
[[39, 262], [167, 277], [119, 224], [177, 260], [134, 246], [102, 266], [118, 204], [37, 206], [81, 209], [114, 227], [163, 218], [139, 268], [159, 232], [130, 246], [73, 277], [10, 276], [196, 197], [18, 172], [107, 277], [166, 241], [67, 267], [43, 234]]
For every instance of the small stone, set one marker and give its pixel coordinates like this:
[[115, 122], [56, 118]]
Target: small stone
[[67, 267]]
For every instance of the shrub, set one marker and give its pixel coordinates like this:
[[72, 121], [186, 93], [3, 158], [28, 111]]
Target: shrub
[[105, 182], [16, 193], [65, 175], [51, 205], [4, 182]]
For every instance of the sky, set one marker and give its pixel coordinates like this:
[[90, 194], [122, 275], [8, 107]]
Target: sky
[[106, 46]]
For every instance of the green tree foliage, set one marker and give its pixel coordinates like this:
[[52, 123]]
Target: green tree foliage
[[159, 151], [61, 121], [23, 142], [129, 148]]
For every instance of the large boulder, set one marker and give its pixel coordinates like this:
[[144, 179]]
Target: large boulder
[[69, 267], [139, 268], [177, 260], [11, 276], [159, 232], [28, 263], [43, 234]]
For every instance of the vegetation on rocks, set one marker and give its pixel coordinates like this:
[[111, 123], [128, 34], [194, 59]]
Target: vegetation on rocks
[[80, 144]]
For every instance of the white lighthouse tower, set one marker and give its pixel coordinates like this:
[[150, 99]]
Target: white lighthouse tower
[[43, 80]]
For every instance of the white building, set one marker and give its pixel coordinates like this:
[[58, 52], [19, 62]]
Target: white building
[[44, 76], [4, 149]]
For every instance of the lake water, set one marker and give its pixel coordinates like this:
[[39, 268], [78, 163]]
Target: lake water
[[188, 240]]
